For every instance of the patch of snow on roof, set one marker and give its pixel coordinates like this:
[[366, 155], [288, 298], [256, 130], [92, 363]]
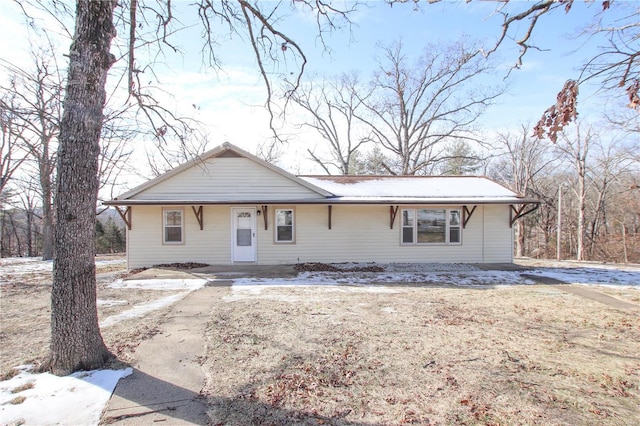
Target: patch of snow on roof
[[410, 186]]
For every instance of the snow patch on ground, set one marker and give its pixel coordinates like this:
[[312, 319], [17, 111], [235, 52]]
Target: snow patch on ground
[[142, 309], [110, 302], [161, 284], [77, 399], [592, 276], [29, 265], [394, 274]]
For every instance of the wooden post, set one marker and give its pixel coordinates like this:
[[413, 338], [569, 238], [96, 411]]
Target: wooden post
[[392, 213], [265, 215], [199, 216], [125, 215]]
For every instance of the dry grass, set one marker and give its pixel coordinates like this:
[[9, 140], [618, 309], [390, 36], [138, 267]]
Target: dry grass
[[25, 317], [407, 355], [382, 355]]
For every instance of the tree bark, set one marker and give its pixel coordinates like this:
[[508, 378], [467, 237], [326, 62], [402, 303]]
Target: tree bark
[[76, 342]]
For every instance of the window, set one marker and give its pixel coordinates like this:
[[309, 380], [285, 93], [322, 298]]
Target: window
[[454, 226], [284, 226], [431, 226], [173, 226], [407, 226]]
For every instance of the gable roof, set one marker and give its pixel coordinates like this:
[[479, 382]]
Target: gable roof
[[444, 190], [224, 150], [416, 188]]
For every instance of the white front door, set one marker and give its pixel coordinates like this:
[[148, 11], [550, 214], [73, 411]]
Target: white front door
[[243, 237]]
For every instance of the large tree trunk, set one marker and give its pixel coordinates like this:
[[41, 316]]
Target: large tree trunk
[[76, 342]]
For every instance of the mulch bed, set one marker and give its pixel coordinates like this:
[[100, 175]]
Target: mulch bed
[[325, 267], [183, 265]]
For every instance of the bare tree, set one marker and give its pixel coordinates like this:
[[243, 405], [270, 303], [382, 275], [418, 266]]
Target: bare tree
[[11, 152], [522, 162], [416, 108], [174, 154], [615, 67], [270, 151], [38, 107], [276, 52], [29, 195], [612, 168], [576, 148], [333, 107], [76, 342]]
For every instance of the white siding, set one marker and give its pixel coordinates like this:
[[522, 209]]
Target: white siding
[[358, 234], [498, 242], [210, 245], [362, 234], [228, 178]]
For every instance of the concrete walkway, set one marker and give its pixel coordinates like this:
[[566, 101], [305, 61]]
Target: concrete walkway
[[584, 292], [599, 297], [167, 378]]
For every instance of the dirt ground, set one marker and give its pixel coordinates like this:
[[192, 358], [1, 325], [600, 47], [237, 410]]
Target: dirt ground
[[382, 354]]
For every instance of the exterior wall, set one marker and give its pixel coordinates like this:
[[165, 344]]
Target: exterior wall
[[362, 234], [228, 178], [359, 234], [498, 242], [211, 245]]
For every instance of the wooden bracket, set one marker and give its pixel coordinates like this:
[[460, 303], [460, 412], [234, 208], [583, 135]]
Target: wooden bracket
[[198, 214], [330, 209], [466, 215], [125, 215], [392, 213], [520, 212], [265, 216]]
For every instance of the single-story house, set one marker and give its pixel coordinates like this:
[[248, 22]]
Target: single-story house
[[228, 206]]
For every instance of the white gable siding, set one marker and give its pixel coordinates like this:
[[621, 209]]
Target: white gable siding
[[227, 178]]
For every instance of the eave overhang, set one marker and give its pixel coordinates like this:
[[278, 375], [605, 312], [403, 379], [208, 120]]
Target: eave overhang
[[333, 200]]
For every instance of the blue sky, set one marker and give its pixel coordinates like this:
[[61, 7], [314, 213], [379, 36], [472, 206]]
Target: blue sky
[[231, 99], [532, 88]]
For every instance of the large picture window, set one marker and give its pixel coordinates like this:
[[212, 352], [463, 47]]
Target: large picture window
[[431, 226], [284, 226], [173, 229]]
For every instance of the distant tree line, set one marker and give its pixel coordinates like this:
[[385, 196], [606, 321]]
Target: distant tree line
[[21, 233], [421, 117]]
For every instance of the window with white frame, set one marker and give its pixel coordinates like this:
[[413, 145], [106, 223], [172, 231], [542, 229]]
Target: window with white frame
[[173, 224], [284, 228], [431, 226]]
